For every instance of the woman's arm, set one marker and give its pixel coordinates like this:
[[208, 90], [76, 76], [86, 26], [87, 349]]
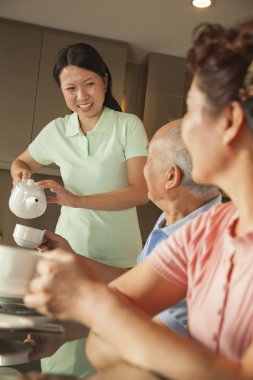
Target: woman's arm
[[100, 353], [140, 341], [136, 338], [133, 195], [68, 290], [23, 167], [150, 298]]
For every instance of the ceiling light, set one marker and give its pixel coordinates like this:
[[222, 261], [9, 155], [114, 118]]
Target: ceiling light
[[202, 3]]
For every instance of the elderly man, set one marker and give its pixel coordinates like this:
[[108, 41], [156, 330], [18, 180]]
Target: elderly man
[[171, 188]]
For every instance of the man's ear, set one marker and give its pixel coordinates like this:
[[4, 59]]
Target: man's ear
[[235, 120], [173, 177]]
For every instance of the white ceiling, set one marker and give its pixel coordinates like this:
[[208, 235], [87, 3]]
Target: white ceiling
[[161, 26]]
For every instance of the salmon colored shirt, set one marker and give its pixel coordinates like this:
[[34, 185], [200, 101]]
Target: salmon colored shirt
[[215, 268]]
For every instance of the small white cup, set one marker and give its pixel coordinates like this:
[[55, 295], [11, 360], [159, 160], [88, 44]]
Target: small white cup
[[28, 237], [18, 267]]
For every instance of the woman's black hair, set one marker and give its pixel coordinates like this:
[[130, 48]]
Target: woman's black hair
[[85, 56]]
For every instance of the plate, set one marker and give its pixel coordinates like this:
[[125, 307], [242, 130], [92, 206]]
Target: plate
[[8, 321]]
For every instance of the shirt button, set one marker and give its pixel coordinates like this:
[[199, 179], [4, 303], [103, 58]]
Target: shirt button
[[219, 312], [215, 337], [225, 287]]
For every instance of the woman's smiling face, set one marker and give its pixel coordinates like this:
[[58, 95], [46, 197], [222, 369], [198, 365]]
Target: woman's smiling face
[[83, 91]]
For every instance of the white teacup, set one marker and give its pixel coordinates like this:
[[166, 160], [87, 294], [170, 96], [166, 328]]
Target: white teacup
[[28, 237], [18, 267]]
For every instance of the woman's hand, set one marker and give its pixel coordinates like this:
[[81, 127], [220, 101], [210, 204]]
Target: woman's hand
[[62, 196], [23, 167], [65, 286], [52, 241], [22, 174]]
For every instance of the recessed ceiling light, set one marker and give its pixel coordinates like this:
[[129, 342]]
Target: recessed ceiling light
[[202, 3]]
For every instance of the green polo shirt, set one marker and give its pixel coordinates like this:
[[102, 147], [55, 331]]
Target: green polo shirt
[[92, 164], [95, 164]]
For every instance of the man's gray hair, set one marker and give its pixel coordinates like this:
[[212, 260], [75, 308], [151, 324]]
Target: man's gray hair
[[174, 152]]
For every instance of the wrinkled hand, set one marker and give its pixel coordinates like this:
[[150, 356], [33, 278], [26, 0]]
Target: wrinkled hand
[[62, 196], [65, 286], [52, 241]]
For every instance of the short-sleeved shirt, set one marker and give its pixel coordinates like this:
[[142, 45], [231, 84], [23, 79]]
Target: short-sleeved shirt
[[175, 317], [93, 164], [215, 269]]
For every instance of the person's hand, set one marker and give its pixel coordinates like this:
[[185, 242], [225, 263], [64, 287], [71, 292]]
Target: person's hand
[[62, 196], [65, 286], [52, 241], [22, 174]]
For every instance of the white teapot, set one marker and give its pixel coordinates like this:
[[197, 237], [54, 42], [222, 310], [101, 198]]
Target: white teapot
[[27, 200]]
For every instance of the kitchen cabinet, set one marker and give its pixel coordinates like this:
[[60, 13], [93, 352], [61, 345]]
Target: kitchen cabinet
[[29, 96], [19, 65], [164, 83], [165, 90]]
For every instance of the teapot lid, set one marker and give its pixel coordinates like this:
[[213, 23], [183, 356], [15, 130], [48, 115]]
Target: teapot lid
[[28, 184]]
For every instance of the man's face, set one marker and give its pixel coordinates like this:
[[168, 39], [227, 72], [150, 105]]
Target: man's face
[[153, 172]]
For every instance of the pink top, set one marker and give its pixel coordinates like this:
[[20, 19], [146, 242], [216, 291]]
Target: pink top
[[216, 269]]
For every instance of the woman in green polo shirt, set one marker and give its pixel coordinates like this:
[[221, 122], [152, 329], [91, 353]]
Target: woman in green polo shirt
[[101, 153]]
